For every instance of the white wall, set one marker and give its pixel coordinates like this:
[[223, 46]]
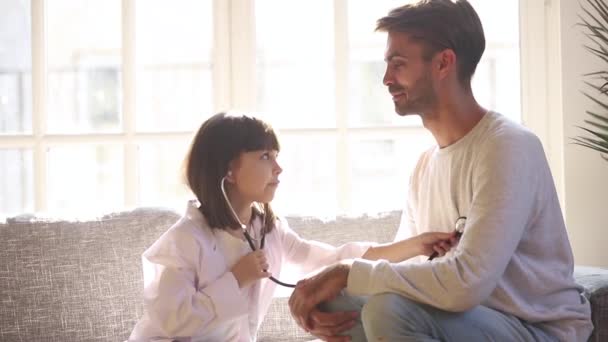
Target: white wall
[[585, 173]]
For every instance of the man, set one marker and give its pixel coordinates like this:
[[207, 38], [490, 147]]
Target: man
[[510, 276]]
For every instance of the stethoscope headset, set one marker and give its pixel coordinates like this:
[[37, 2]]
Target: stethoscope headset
[[246, 233]]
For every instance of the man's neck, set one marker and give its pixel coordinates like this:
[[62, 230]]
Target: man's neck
[[452, 120]]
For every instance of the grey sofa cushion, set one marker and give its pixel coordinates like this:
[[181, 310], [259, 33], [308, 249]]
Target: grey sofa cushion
[[595, 282], [75, 281], [377, 228]]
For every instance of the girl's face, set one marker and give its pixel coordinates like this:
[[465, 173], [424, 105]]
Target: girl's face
[[255, 175]]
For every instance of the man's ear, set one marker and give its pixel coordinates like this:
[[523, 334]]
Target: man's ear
[[446, 63]]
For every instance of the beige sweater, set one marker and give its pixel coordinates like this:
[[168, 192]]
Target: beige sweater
[[514, 256]]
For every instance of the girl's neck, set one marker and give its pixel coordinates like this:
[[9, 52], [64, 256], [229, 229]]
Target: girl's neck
[[244, 214], [241, 208]]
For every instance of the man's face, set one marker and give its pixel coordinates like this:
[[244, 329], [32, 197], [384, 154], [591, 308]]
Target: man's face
[[408, 75]]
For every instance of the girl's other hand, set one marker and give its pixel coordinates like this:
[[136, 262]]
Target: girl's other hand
[[250, 268]]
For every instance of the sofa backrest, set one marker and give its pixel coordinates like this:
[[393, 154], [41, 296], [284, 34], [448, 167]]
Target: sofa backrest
[[337, 231], [75, 281], [82, 280]]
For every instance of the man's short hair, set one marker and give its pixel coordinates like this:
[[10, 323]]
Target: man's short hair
[[439, 25]]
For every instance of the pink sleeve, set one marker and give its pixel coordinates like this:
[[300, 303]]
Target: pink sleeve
[[309, 255]]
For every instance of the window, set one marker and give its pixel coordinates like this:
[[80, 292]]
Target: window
[[16, 159], [99, 98]]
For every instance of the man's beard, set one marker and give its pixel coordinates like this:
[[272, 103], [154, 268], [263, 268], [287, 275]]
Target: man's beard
[[419, 99]]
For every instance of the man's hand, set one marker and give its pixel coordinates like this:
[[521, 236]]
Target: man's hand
[[308, 293], [327, 325]]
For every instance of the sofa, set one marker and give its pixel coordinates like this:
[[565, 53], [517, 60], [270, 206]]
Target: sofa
[[81, 279]]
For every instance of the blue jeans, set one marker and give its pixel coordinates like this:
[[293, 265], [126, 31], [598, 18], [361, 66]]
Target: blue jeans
[[391, 317]]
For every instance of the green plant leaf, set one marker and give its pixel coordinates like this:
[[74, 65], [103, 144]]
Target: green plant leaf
[[596, 143], [604, 137], [600, 7], [594, 21], [596, 73], [600, 10], [604, 105], [597, 116], [601, 89], [594, 147], [598, 53], [596, 30]]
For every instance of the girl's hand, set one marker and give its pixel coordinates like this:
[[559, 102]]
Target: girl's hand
[[250, 268], [430, 242]]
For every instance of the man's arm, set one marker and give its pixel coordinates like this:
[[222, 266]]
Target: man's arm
[[325, 286], [504, 198]]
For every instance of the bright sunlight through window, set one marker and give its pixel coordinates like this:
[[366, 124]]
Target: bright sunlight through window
[[97, 112]]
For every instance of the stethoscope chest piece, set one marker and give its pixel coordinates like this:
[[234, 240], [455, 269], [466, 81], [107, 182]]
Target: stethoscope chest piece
[[459, 225]]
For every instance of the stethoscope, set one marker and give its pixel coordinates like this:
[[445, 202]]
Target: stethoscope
[[461, 221], [247, 236]]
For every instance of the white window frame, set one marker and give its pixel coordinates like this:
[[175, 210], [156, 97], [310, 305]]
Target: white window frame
[[234, 83], [541, 96]]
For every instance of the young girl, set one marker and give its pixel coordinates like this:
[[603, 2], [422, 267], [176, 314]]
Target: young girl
[[209, 277]]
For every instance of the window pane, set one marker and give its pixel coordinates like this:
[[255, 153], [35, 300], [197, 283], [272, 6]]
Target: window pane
[[15, 67], [84, 54], [161, 177], [174, 89], [95, 185], [383, 166], [16, 181], [496, 83], [369, 103], [295, 62], [308, 181]]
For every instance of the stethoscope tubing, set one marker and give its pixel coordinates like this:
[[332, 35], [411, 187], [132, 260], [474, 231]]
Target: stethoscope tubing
[[248, 237]]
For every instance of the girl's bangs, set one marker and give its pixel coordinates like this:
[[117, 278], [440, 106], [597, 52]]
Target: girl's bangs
[[261, 138]]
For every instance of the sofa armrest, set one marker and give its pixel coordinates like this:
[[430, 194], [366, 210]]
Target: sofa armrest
[[595, 282]]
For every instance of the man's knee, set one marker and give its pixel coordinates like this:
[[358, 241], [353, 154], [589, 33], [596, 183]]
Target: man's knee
[[342, 302], [383, 305], [375, 307], [388, 311]]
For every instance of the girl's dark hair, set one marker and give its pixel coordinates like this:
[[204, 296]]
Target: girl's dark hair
[[221, 139]]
